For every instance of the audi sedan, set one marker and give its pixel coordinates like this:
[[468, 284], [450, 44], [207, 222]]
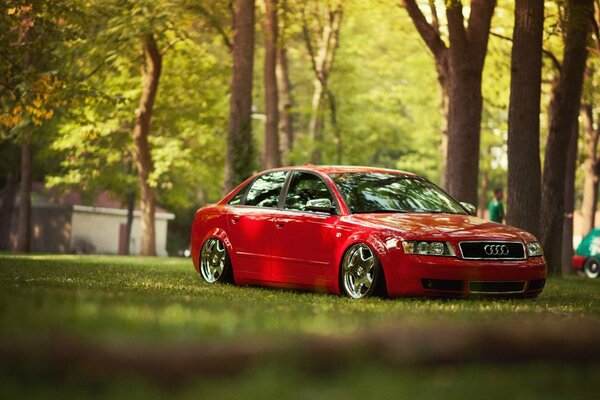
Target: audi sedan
[[361, 231]]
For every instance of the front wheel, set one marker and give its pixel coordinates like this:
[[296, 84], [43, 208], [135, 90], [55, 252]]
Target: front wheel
[[360, 272], [215, 265], [591, 267]]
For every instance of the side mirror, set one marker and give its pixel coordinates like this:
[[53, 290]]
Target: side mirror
[[469, 208], [319, 205]]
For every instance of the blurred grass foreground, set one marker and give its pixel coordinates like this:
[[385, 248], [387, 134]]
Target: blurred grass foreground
[[82, 326]]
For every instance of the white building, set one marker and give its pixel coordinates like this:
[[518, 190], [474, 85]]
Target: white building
[[63, 224]]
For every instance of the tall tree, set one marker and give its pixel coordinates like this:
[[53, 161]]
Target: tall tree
[[151, 71], [321, 36], [430, 33], [24, 225], [590, 168], [565, 110], [271, 154], [7, 208], [239, 152], [569, 198], [591, 136], [284, 88], [34, 38], [524, 166], [460, 68]]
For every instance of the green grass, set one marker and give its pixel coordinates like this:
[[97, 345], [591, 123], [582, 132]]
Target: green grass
[[156, 302]]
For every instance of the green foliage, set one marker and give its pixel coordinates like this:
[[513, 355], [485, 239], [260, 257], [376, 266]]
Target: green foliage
[[83, 87], [189, 117]]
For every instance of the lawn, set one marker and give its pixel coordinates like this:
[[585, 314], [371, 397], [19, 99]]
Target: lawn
[[82, 326]]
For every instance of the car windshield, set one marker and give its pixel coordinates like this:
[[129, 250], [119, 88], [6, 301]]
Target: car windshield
[[374, 192]]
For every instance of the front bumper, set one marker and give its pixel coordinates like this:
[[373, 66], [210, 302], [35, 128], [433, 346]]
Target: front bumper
[[415, 275]]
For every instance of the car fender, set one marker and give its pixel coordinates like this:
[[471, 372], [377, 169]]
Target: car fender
[[371, 239], [205, 227]]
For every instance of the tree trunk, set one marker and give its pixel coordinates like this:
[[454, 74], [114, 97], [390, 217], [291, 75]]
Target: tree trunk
[[590, 169], [315, 133], [322, 62], [567, 234], [464, 127], [150, 76], [524, 166], [271, 155], [239, 154], [459, 67], [564, 116], [24, 226], [130, 211], [337, 135], [284, 87], [483, 195], [443, 88], [8, 207]]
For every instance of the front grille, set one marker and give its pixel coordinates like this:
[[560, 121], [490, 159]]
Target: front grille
[[492, 250], [496, 287], [441, 284]]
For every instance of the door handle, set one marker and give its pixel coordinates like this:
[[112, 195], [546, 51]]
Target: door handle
[[235, 219]]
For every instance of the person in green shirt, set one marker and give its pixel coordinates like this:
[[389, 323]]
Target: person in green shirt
[[496, 207]]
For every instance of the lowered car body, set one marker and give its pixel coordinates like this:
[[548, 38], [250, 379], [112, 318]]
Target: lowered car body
[[360, 231]]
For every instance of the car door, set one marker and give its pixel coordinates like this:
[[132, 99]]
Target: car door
[[302, 241], [250, 223]]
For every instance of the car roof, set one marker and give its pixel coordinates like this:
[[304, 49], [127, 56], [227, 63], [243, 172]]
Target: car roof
[[338, 169]]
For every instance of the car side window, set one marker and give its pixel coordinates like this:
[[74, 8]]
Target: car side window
[[304, 187], [239, 196], [265, 190]]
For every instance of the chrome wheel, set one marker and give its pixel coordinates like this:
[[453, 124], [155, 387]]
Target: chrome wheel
[[359, 269], [213, 259], [591, 268]]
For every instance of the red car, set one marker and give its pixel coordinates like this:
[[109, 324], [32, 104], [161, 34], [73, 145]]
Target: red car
[[360, 231]]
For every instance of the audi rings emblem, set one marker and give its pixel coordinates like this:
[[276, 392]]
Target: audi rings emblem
[[496, 249]]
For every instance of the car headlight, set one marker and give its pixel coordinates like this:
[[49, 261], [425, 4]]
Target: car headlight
[[535, 249], [428, 248]]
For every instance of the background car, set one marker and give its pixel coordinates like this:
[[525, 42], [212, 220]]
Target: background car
[[360, 231], [587, 256]]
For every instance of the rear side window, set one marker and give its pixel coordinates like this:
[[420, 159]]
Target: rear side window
[[265, 190]]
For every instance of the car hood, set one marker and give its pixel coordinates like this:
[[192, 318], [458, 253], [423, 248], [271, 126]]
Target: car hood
[[457, 226]]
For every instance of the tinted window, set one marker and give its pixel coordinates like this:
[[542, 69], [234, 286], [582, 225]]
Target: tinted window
[[239, 196], [304, 187], [265, 190], [367, 192]]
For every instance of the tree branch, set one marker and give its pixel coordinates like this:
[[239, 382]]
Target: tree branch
[[435, 21], [546, 52], [429, 33], [332, 40], [480, 20], [595, 28], [456, 27], [308, 42], [214, 23]]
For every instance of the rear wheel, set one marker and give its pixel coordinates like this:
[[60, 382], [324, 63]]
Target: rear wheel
[[591, 267], [215, 265], [360, 272]]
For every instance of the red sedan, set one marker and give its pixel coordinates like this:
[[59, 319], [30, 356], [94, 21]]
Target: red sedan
[[360, 231]]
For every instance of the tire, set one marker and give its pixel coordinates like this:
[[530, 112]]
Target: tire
[[591, 267], [215, 265], [360, 272]]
